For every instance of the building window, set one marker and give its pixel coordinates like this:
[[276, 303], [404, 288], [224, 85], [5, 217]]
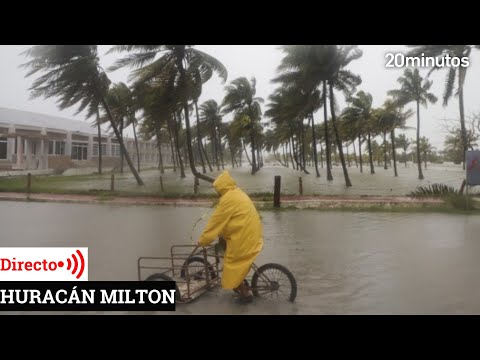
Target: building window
[[116, 150], [3, 149], [56, 147], [95, 149], [60, 147], [79, 151]]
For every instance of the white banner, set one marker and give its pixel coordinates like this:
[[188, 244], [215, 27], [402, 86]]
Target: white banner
[[43, 264]]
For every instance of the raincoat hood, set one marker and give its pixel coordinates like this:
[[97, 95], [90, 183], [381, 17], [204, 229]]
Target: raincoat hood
[[224, 183]]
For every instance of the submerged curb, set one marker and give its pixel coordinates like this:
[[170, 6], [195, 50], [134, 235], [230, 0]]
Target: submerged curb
[[287, 202]]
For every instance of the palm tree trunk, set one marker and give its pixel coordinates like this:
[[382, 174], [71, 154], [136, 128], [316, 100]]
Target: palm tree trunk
[[189, 142], [220, 147], [360, 153], [302, 131], [186, 157], [171, 140], [394, 153], [355, 153], [290, 152], [337, 137], [221, 153], [385, 167], [232, 156], [285, 159], [136, 144], [370, 157], [122, 145], [461, 77], [246, 153], [252, 144], [204, 146], [295, 155], [321, 156], [215, 146], [177, 146], [328, 156], [181, 70], [425, 159], [121, 151], [99, 144], [419, 162], [314, 145], [199, 139], [348, 157], [159, 144]]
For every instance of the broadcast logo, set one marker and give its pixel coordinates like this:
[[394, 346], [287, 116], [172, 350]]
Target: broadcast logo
[[43, 264]]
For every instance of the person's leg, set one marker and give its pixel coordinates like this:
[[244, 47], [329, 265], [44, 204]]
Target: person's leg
[[243, 290]]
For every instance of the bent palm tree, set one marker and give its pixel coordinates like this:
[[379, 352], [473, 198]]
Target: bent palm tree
[[240, 99], [177, 65], [73, 74]]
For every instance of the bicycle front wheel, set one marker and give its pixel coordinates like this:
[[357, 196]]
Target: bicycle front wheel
[[274, 282]]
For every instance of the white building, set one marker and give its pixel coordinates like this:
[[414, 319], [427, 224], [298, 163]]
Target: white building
[[30, 141]]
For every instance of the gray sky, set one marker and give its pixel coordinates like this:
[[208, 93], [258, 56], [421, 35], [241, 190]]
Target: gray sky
[[260, 61]]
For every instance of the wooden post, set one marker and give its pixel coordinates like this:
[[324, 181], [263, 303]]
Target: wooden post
[[112, 183], [161, 183], [300, 186], [276, 192]]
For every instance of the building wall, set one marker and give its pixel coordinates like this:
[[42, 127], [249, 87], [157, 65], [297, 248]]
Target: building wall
[[148, 151]]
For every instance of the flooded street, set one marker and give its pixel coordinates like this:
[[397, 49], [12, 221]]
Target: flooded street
[[344, 263]]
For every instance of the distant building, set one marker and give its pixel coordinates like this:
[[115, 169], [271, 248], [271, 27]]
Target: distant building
[[30, 141]]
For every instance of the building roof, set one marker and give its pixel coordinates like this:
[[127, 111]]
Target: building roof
[[26, 118]]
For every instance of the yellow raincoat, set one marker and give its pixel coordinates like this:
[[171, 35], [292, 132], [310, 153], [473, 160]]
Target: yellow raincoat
[[236, 220]]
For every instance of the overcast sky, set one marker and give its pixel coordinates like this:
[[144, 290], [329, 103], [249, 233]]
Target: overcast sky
[[260, 61]]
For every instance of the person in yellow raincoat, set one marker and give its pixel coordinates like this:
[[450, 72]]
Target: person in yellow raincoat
[[236, 220]]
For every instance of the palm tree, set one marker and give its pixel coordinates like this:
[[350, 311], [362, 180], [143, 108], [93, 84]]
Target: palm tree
[[414, 88], [403, 143], [73, 74], [426, 148], [360, 114], [158, 101], [391, 118], [454, 73], [345, 81], [240, 99], [309, 67], [211, 115], [177, 65], [124, 104]]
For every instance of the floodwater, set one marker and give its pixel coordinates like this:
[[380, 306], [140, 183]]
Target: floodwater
[[344, 263], [381, 183]]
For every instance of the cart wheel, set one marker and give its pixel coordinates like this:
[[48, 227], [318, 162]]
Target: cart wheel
[[163, 277], [196, 268], [274, 281]]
